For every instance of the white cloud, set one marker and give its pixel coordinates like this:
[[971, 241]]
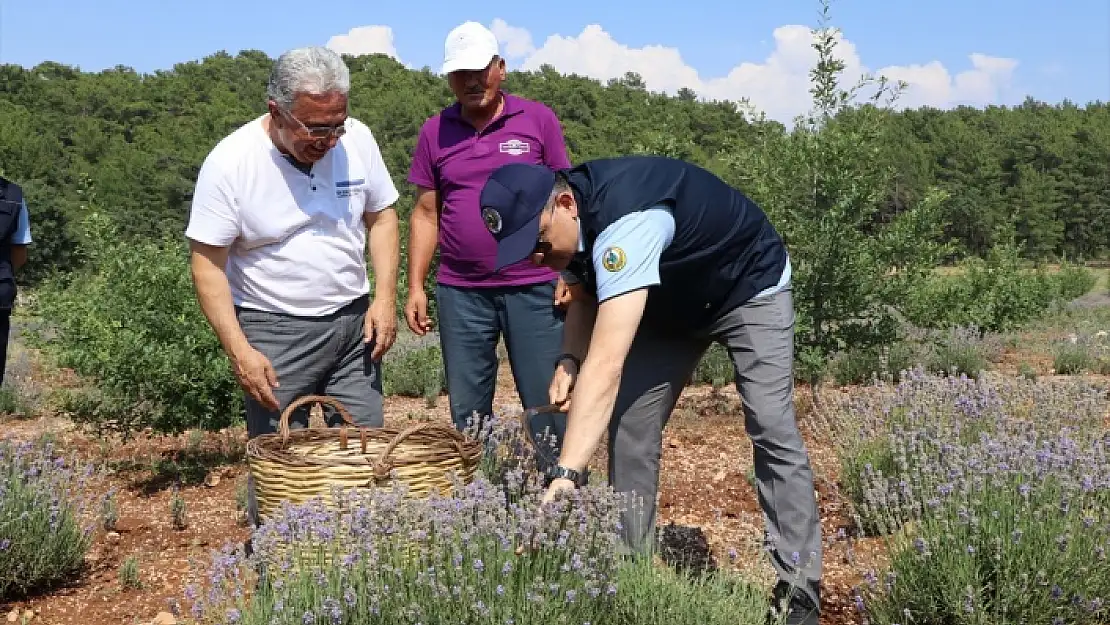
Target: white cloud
[[778, 85], [515, 42], [365, 40]]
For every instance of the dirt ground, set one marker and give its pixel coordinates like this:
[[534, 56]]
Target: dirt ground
[[705, 498]]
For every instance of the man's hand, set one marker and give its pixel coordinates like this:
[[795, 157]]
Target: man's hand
[[416, 312], [256, 376], [380, 327], [563, 294], [562, 383], [560, 485]]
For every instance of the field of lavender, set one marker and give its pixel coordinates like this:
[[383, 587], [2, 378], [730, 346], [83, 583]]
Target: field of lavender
[[987, 486], [992, 494]]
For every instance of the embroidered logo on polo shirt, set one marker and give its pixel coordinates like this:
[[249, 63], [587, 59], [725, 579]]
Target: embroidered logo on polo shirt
[[613, 259], [346, 188], [492, 219], [516, 147]]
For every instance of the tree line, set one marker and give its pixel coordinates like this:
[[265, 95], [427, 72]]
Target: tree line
[[870, 200], [1034, 175]]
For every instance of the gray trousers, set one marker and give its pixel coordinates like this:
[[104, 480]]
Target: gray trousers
[[313, 356], [759, 337]]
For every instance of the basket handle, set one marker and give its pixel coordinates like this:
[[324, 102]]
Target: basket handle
[[283, 426], [384, 465]]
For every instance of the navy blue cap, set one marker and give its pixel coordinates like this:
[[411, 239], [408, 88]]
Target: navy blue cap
[[511, 202]]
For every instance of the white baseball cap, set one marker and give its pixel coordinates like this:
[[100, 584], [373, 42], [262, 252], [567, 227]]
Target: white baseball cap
[[469, 46]]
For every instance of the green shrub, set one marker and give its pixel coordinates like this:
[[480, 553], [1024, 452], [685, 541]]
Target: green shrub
[[413, 367], [862, 365], [996, 294], [962, 351], [1082, 353], [1072, 359], [825, 184], [130, 321], [43, 533], [715, 368], [1074, 281], [651, 594]]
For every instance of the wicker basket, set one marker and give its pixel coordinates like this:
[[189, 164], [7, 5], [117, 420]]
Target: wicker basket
[[297, 465]]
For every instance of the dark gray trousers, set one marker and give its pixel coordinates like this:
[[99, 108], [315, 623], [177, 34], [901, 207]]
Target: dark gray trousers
[[759, 337], [313, 356]]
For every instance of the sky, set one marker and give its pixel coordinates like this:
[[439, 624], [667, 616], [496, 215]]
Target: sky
[[950, 52]]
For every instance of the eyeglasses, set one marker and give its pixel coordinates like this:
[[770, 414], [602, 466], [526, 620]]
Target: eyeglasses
[[319, 132]]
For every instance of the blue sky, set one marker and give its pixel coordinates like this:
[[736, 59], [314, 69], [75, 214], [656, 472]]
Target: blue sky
[[1027, 47]]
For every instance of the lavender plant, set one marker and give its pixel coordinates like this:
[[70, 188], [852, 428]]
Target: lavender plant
[[1082, 352], [383, 557], [963, 350], [1022, 539], [994, 494], [900, 445], [44, 531], [21, 393]]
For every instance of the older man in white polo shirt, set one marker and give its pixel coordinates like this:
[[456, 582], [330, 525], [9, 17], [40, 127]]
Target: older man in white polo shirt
[[281, 215]]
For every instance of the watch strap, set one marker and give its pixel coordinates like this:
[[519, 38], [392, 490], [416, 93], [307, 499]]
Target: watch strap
[[560, 472]]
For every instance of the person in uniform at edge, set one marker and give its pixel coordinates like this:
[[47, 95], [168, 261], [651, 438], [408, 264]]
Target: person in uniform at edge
[[15, 236], [675, 259], [455, 153]]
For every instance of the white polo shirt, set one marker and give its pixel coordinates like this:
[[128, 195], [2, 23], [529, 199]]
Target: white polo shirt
[[298, 241]]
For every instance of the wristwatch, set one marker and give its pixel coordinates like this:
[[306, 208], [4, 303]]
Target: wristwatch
[[559, 472]]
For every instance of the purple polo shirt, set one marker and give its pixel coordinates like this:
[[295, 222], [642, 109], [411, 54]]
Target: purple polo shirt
[[456, 159]]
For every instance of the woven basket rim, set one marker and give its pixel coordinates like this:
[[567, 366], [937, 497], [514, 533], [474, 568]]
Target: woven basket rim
[[435, 443]]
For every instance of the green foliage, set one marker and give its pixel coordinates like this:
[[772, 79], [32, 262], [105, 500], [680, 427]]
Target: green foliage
[[997, 294], [1074, 281], [42, 499], [863, 364], [1082, 353], [824, 188], [129, 573], [657, 594], [129, 321], [414, 368], [715, 368]]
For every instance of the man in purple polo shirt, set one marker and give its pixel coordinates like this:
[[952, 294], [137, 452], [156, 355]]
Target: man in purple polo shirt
[[455, 153]]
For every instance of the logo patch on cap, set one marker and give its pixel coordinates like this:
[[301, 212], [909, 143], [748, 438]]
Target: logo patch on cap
[[613, 259], [492, 219]]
